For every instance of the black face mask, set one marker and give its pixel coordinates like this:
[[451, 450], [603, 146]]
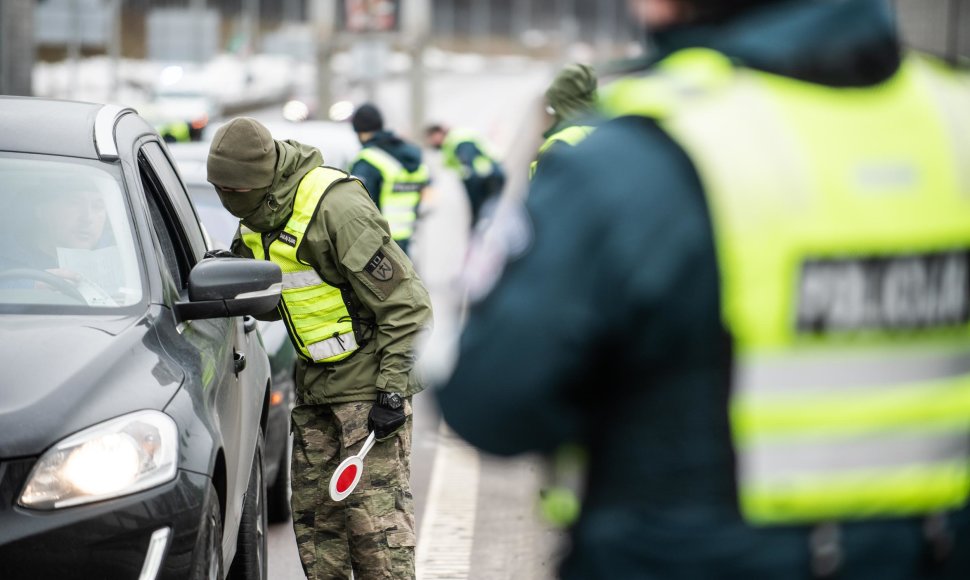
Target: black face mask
[[258, 210], [241, 203]]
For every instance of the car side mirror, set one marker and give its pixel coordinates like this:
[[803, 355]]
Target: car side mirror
[[226, 287]]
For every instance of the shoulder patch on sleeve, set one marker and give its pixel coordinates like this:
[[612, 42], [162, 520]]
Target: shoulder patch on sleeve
[[383, 273], [380, 267]]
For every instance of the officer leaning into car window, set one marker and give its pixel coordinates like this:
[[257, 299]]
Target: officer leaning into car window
[[755, 314], [354, 308], [393, 172]]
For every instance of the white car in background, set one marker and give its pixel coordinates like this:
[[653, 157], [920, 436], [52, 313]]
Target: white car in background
[[337, 141]]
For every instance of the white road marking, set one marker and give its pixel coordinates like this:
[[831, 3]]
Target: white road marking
[[447, 531]]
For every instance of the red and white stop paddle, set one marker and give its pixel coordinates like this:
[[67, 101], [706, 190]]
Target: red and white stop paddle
[[347, 476]]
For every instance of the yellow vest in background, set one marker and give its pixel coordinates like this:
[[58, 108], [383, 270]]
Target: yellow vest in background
[[842, 224], [482, 166], [400, 191]]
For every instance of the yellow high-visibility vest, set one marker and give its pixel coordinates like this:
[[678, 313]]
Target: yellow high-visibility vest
[[316, 314], [842, 225], [179, 131], [571, 136], [400, 190], [483, 165]]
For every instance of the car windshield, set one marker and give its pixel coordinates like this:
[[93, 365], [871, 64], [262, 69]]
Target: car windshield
[[66, 236]]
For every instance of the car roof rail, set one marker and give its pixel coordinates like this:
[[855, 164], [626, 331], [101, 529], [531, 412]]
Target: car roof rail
[[104, 130]]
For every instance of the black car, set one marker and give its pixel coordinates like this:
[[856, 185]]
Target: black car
[[134, 385], [220, 225]]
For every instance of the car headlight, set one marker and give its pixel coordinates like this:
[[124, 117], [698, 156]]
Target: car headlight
[[115, 458]]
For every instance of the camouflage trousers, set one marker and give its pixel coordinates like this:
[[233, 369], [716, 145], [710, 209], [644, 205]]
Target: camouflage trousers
[[372, 531]]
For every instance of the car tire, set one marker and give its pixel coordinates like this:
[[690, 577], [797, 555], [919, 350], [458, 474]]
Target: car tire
[[251, 550], [207, 563], [278, 495]]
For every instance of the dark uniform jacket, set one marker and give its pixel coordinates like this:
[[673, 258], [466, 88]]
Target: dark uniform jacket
[[607, 331]]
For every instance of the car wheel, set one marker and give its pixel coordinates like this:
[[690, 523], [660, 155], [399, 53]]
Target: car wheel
[[250, 561], [208, 557], [278, 495]]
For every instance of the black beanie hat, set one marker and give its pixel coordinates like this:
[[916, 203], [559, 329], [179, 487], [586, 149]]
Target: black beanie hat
[[367, 119]]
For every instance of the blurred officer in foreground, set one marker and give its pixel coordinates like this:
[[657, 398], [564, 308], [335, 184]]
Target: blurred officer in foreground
[[354, 308], [464, 152], [391, 170], [571, 99], [754, 314]]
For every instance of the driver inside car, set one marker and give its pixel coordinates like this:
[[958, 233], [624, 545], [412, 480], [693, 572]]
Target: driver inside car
[[51, 234]]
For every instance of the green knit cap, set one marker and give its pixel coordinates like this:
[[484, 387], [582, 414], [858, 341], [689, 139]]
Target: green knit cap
[[242, 155], [573, 92]]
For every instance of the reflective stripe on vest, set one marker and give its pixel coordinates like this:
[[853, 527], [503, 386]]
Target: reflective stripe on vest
[[315, 313], [483, 165], [571, 136], [844, 250], [400, 190]]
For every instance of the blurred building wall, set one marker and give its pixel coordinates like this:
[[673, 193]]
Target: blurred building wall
[[508, 25], [535, 26], [16, 46], [86, 22], [941, 27], [178, 34]]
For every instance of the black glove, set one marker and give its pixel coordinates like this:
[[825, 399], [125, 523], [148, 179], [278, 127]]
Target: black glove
[[218, 254], [387, 415]]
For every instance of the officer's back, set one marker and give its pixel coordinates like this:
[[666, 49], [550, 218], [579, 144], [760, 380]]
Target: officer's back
[[616, 329]]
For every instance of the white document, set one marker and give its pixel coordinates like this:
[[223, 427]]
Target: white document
[[100, 268]]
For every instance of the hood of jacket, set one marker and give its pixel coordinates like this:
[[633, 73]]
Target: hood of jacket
[[293, 162], [408, 155], [851, 43]]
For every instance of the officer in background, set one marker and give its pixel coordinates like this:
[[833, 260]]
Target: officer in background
[[392, 171], [571, 100], [354, 308], [752, 309], [182, 131], [464, 152]]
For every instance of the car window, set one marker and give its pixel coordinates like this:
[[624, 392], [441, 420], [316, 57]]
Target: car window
[[177, 253], [170, 255], [220, 223], [66, 235], [175, 191]]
